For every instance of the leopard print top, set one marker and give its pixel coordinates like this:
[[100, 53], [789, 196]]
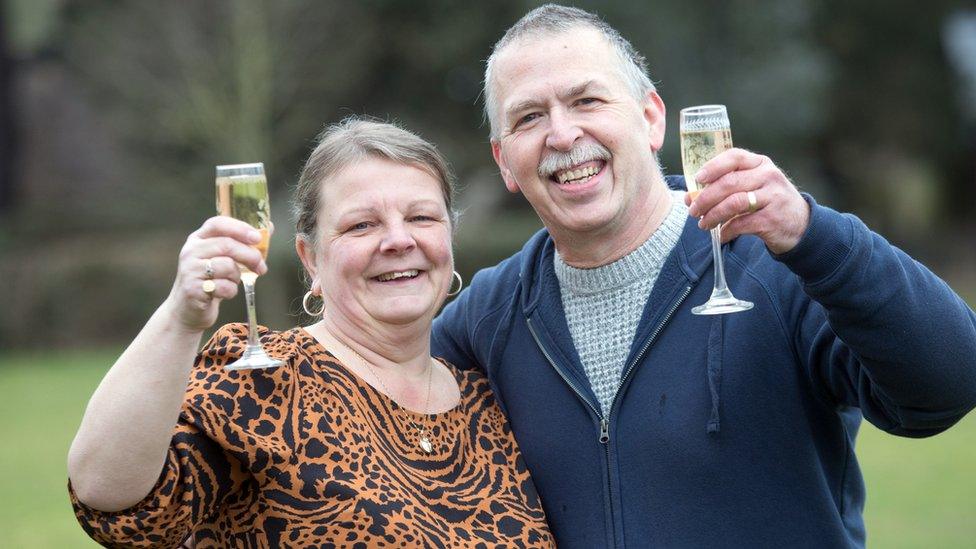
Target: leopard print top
[[309, 455]]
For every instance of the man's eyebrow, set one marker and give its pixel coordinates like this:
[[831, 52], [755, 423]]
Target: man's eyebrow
[[574, 91], [524, 105], [578, 89]]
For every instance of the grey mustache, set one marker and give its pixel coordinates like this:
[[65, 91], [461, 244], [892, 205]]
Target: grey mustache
[[558, 160]]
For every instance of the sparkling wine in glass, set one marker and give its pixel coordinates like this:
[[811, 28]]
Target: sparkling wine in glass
[[705, 132], [242, 193]]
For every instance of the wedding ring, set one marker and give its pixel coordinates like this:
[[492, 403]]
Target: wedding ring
[[208, 271], [209, 286], [753, 203]]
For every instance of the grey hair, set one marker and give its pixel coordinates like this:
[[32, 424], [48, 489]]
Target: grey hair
[[353, 140], [553, 19]]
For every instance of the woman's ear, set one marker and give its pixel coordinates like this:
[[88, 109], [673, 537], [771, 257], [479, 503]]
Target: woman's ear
[[306, 252]]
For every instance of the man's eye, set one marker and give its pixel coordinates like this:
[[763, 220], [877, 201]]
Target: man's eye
[[587, 101], [422, 218], [527, 119], [361, 226]]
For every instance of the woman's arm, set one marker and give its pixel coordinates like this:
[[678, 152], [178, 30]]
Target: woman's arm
[[121, 445]]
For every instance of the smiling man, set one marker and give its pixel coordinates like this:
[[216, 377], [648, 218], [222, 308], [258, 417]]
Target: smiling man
[[643, 424]]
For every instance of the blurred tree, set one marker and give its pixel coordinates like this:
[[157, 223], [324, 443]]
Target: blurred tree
[[7, 134], [893, 139], [125, 107]]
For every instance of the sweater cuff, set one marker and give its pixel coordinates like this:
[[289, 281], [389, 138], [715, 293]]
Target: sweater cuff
[[824, 246]]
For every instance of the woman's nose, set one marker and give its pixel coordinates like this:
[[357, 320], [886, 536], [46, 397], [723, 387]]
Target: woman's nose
[[397, 239], [563, 131]]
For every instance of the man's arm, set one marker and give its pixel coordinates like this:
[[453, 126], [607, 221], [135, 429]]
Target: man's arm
[[451, 336], [892, 338]]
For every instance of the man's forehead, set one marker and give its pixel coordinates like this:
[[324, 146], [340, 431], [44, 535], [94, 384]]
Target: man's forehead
[[551, 43], [553, 63]]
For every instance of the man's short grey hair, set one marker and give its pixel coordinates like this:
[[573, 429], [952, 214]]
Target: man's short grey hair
[[354, 140], [553, 19]]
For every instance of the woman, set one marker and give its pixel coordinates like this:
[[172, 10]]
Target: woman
[[361, 438]]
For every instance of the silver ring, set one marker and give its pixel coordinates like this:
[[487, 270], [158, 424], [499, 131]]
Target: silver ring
[[753, 203], [208, 270]]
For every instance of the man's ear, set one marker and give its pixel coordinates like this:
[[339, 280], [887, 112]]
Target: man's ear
[[655, 114], [496, 152]]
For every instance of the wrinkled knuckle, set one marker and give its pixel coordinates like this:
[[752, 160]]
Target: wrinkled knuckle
[[225, 247]]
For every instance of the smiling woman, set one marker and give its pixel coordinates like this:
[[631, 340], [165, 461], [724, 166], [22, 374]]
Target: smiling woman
[[361, 437], [383, 248]]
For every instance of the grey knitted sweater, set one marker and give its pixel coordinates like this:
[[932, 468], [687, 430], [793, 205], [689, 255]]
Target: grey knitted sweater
[[603, 305]]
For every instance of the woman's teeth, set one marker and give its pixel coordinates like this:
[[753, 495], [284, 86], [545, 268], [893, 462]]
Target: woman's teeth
[[576, 176], [397, 274]]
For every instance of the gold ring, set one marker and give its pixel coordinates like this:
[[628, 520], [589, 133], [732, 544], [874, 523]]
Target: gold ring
[[753, 203], [208, 271], [209, 286]]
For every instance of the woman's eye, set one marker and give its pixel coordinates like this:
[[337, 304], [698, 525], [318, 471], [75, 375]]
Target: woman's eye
[[587, 101], [361, 226], [422, 218]]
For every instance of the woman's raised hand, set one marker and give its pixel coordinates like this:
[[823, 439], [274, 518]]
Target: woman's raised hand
[[208, 271]]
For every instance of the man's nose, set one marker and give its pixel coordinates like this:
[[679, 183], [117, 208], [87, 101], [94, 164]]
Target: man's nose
[[397, 239], [563, 131]]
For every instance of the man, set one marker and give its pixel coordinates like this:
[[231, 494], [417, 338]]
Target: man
[[643, 424]]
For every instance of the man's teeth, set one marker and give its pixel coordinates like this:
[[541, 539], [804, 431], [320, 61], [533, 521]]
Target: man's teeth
[[577, 176], [397, 274]]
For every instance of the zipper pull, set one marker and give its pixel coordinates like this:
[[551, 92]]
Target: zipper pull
[[604, 431]]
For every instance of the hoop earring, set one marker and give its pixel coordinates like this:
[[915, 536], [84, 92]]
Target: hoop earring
[[457, 275], [308, 310]]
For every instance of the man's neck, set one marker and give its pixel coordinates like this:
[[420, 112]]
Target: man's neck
[[587, 250]]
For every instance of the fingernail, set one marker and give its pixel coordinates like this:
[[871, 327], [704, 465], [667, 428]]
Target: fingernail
[[700, 175], [263, 267], [255, 236]]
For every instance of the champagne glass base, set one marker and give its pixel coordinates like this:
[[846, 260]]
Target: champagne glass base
[[722, 303], [254, 357]]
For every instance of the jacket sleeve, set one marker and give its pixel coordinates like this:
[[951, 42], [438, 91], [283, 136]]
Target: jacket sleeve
[[452, 334], [888, 336], [463, 332]]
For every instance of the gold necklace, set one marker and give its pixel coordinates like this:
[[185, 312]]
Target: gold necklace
[[423, 436]]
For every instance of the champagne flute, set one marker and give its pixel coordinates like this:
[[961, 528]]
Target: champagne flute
[[242, 193], [706, 132]]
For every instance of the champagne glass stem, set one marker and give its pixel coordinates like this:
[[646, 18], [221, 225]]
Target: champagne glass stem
[[252, 315], [720, 284]]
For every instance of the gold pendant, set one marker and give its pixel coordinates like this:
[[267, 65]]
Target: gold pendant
[[426, 445]]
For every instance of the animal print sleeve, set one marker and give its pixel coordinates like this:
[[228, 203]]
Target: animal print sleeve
[[198, 475]]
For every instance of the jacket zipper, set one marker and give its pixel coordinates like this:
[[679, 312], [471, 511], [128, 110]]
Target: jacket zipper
[[646, 346], [604, 424], [572, 385], [605, 421]]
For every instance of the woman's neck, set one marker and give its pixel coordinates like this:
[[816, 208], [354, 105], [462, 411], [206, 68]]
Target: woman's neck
[[406, 348]]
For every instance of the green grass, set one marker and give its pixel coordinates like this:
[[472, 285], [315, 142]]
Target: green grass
[[43, 401], [920, 492]]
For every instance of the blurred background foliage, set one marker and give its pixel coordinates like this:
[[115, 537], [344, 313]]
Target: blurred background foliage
[[113, 114]]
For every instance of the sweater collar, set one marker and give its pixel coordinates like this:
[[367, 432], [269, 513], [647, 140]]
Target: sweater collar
[[640, 264]]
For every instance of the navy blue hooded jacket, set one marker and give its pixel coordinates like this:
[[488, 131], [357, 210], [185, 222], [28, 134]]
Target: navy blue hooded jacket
[[726, 431]]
